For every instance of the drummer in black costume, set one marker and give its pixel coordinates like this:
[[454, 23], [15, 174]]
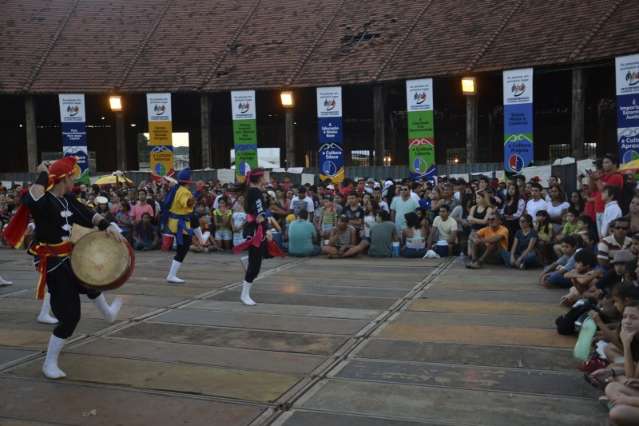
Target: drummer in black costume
[[254, 232], [54, 211]]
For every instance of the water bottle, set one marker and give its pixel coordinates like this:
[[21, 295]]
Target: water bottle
[[584, 342], [395, 251]]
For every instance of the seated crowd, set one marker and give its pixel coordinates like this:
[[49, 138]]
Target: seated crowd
[[586, 242]]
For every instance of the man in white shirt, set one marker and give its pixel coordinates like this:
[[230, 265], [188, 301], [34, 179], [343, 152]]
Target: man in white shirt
[[443, 235], [402, 205], [302, 202], [536, 203], [609, 195]]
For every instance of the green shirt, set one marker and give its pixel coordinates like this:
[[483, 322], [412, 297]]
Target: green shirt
[[300, 238], [382, 239]]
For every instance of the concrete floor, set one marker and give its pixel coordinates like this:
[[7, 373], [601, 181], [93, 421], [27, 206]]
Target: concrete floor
[[332, 342]]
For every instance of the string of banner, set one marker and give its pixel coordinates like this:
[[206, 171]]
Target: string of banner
[[518, 125]]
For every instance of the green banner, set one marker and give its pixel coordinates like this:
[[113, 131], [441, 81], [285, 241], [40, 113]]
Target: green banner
[[421, 133], [244, 131]]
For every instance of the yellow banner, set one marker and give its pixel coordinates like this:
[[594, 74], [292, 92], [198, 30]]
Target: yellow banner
[[160, 133], [161, 159]]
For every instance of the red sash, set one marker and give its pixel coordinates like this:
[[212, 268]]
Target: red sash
[[44, 251]]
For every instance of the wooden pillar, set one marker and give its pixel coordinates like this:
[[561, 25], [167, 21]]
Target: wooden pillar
[[472, 112], [290, 137], [205, 128], [32, 134], [577, 132], [120, 141], [379, 120]]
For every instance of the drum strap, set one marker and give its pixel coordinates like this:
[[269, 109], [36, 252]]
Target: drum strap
[[44, 251]]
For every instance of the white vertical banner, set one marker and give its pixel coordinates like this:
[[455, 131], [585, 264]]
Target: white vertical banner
[[627, 82], [74, 134]]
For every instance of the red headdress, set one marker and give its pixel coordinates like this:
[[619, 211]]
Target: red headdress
[[16, 228]]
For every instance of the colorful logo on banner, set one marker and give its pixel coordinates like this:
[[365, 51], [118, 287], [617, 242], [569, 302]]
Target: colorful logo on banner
[[329, 127], [244, 131], [518, 119], [158, 106], [74, 133], [627, 76], [421, 128]]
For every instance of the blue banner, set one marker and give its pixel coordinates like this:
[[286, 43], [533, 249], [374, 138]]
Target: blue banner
[[74, 134], [329, 122], [518, 119], [627, 82]]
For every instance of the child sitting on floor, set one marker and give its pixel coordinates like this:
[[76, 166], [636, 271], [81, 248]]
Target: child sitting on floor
[[583, 279]]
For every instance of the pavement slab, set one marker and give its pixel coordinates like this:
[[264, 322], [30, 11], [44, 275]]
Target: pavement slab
[[195, 379], [309, 299], [225, 337], [262, 322], [11, 354], [471, 377], [487, 307], [437, 404], [477, 335], [243, 359], [309, 418], [289, 310], [463, 318], [461, 354], [86, 405]]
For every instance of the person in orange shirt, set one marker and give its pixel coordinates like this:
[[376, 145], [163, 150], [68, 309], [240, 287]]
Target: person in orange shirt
[[489, 243]]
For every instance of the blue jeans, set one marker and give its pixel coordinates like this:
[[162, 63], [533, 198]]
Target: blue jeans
[[556, 279], [442, 251], [529, 261], [412, 253]]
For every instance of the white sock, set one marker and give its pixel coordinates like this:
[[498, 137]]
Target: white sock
[[5, 282], [172, 277], [50, 367], [109, 312], [245, 297], [45, 317]]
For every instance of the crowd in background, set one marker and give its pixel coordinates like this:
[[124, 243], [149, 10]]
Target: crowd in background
[[586, 241]]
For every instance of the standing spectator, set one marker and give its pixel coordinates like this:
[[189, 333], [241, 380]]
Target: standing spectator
[[633, 214], [522, 253], [443, 236], [536, 203], [489, 243], [146, 235], [302, 201], [612, 211], [382, 236], [141, 207], [222, 219], [302, 237], [238, 219], [402, 205]]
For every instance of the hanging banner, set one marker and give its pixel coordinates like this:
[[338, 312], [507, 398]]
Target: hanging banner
[[627, 77], [421, 128], [329, 124], [518, 119], [244, 131], [158, 106], [74, 133]]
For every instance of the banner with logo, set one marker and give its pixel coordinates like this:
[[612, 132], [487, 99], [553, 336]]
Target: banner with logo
[[244, 130], [518, 119], [627, 77], [329, 125], [158, 106], [74, 133], [421, 128]]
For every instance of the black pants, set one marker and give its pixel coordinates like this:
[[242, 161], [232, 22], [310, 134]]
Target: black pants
[[65, 299], [254, 262], [183, 249]]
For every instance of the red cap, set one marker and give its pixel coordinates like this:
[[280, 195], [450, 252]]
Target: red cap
[[60, 169]]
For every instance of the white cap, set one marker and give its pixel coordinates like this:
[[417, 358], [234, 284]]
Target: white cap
[[331, 187], [101, 200], [388, 184]]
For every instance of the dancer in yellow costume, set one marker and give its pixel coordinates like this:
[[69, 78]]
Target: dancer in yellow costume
[[176, 216]]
